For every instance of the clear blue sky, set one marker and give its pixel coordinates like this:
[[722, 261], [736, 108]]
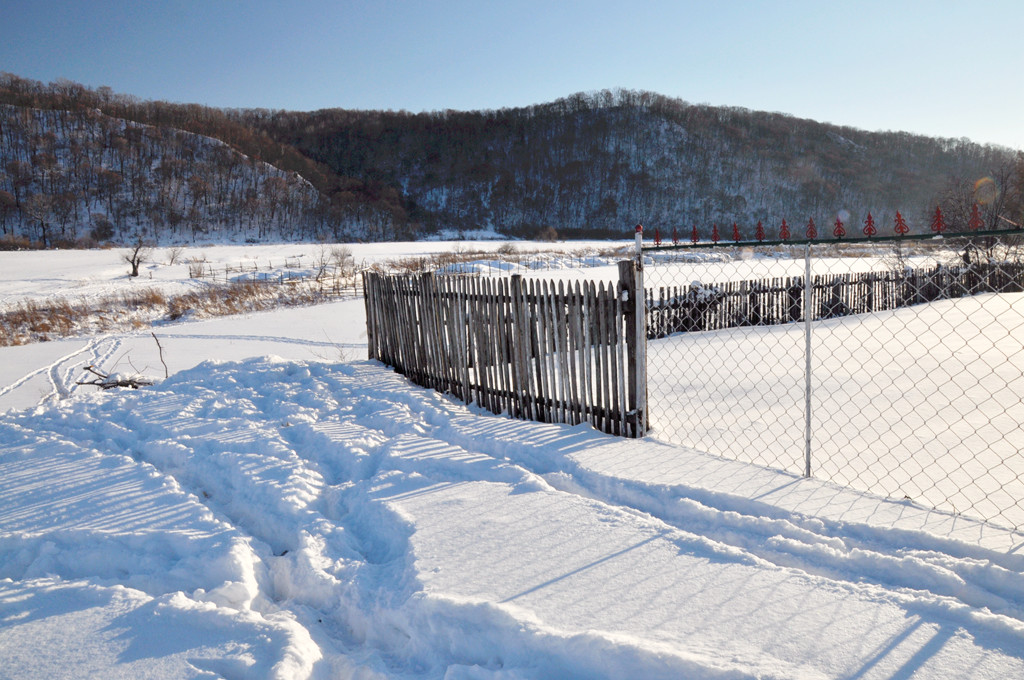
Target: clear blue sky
[[941, 68]]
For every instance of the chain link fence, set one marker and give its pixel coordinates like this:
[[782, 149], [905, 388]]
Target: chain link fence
[[892, 367]]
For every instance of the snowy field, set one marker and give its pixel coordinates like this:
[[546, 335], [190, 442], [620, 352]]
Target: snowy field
[[924, 402], [75, 274], [279, 507]]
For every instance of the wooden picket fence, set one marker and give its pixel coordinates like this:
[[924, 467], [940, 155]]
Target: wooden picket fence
[[781, 300], [536, 350]]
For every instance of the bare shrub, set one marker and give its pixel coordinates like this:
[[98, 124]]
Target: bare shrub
[[239, 297], [13, 242], [342, 258], [174, 254], [33, 321], [196, 269], [148, 297], [321, 262], [406, 265], [547, 234]]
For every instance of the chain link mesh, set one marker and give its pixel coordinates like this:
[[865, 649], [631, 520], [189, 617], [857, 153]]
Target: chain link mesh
[[913, 385]]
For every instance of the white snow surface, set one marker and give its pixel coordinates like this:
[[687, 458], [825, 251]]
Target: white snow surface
[[88, 274], [280, 507]]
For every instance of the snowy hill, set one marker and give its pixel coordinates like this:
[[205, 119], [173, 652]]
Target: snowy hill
[[595, 163], [80, 163], [80, 177]]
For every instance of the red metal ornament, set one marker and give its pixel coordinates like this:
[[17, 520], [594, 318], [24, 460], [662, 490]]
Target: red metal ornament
[[975, 223], [869, 226], [657, 237], [735, 233], [693, 235], [759, 232], [812, 231], [938, 221], [839, 231], [675, 237], [714, 233], [901, 224], [784, 231]]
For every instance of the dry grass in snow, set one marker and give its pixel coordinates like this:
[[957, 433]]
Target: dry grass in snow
[[39, 321]]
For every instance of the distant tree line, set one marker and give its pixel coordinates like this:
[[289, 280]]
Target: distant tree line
[[81, 165], [74, 176], [596, 163], [84, 165]]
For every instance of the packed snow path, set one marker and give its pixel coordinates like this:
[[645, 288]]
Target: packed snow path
[[291, 519]]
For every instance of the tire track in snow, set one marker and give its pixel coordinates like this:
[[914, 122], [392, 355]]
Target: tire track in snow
[[921, 565], [931, 575], [326, 344], [65, 384], [98, 359], [61, 374], [49, 370], [350, 566], [235, 468]]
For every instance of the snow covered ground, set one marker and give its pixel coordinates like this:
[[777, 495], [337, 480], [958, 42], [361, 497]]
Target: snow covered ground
[[279, 507], [90, 274], [924, 402]]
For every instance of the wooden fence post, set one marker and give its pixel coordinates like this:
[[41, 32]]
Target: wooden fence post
[[369, 301], [521, 349], [631, 276]]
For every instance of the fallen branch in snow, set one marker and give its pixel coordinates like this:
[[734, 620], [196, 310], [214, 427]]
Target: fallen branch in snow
[[107, 382], [161, 348]]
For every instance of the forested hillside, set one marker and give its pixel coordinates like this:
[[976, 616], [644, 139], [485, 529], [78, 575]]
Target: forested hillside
[[592, 164], [81, 166]]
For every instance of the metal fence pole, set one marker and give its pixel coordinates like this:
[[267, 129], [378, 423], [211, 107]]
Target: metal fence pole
[[640, 302], [911, 374], [808, 313], [640, 313]]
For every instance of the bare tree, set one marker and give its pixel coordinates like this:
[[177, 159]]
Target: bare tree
[[7, 206], [174, 254], [40, 208], [139, 253], [997, 197]]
